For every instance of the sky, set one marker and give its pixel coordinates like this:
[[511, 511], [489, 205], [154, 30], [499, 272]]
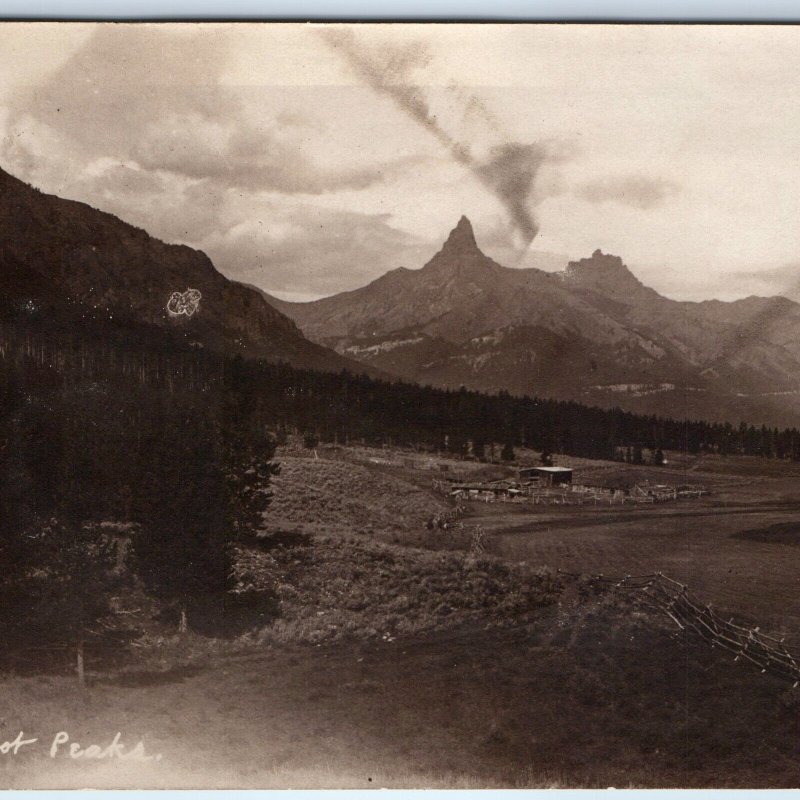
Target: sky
[[308, 159]]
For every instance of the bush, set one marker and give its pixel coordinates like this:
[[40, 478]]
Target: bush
[[362, 589]]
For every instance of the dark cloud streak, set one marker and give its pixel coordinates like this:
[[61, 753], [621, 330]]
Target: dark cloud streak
[[511, 169]]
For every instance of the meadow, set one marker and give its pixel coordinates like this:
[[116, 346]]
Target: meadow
[[723, 546], [399, 658], [589, 694]]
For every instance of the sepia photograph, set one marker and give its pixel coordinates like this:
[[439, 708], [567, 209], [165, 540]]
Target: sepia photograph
[[399, 405]]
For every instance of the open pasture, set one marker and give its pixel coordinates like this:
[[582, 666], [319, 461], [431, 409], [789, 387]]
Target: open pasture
[[587, 696], [713, 544], [734, 548]]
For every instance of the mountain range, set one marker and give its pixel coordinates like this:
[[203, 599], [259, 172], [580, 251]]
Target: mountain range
[[591, 333]]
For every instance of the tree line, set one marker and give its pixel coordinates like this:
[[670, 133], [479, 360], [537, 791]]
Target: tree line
[[348, 407]]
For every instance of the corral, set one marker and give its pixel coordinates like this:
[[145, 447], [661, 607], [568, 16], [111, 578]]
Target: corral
[[535, 493]]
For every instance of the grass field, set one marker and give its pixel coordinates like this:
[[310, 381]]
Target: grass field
[[700, 542], [328, 495], [587, 695], [397, 660]]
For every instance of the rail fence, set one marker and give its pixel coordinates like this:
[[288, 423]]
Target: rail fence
[[661, 593], [576, 494], [447, 519]]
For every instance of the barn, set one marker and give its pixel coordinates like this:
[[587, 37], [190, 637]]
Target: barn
[[546, 476]]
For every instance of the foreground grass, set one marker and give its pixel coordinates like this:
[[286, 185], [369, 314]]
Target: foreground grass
[[590, 694], [334, 588]]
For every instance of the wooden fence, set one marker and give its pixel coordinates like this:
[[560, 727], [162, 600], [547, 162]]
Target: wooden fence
[[447, 519], [661, 593], [573, 495]]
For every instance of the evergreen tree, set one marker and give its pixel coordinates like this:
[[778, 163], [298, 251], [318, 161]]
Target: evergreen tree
[[457, 445], [183, 551], [507, 453], [58, 574], [68, 591], [248, 451]]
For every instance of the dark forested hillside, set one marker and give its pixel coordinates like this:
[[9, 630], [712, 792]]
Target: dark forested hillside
[[100, 357], [59, 252]]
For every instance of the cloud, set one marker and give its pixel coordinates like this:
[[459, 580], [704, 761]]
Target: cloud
[[145, 122], [308, 250], [241, 157], [113, 179], [166, 206], [279, 243], [139, 94], [510, 170], [637, 191], [783, 280], [139, 122]]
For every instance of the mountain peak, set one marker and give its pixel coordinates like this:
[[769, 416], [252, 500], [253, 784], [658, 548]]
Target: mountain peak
[[462, 237], [599, 262], [460, 253], [604, 273]]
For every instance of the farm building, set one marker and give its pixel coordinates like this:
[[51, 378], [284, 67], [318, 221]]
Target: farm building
[[546, 476], [484, 491]]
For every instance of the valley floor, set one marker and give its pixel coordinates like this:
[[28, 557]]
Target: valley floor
[[398, 661], [726, 556]]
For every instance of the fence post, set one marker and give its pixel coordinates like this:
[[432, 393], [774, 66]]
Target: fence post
[[79, 666]]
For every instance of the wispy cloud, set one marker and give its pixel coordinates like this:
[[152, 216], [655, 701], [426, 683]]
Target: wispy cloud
[[637, 191], [138, 121], [783, 280], [301, 249], [156, 99]]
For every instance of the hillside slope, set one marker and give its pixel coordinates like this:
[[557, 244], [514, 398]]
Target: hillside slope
[[68, 253]]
